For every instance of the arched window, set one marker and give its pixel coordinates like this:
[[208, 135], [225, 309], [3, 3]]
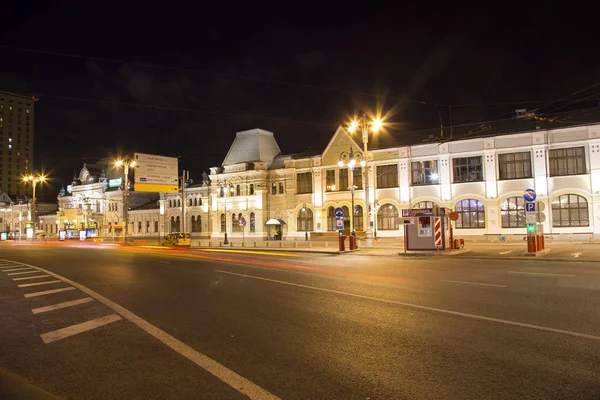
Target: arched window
[[109, 227], [252, 189], [252, 222], [424, 204], [331, 219], [359, 220], [471, 214], [305, 220], [195, 201], [200, 201], [196, 223], [177, 227], [234, 223], [346, 216], [512, 212], [238, 190], [190, 202], [387, 217], [570, 210], [223, 223], [170, 204], [179, 203], [173, 224]]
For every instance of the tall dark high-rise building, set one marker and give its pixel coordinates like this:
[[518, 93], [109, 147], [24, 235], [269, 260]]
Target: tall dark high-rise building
[[16, 137]]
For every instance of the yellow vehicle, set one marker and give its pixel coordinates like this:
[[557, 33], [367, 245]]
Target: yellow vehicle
[[177, 239]]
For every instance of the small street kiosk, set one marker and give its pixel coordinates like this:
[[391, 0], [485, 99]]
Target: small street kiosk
[[427, 228]]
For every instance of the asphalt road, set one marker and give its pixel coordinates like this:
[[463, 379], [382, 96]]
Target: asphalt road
[[147, 323]]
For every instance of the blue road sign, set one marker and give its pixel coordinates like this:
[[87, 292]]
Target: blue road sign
[[339, 223], [529, 195], [530, 207], [339, 212]]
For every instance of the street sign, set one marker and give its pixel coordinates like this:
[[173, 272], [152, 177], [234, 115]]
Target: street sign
[[453, 216], [155, 173], [529, 195], [530, 207], [405, 221], [530, 218], [339, 212], [339, 223]]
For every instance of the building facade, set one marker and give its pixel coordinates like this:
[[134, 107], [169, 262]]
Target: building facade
[[16, 138], [258, 193]]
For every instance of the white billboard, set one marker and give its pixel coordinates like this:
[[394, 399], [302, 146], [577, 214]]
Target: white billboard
[[155, 173]]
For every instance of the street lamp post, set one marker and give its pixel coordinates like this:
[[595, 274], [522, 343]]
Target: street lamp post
[[224, 188], [305, 222], [126, 164], [351, 158], [375, 126], [34, 180]]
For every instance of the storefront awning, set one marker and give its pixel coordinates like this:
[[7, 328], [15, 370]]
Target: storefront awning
[[275, 221]]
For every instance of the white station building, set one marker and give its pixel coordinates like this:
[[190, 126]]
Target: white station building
[[258, 193]]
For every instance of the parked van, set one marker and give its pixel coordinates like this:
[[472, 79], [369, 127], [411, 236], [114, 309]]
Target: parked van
[[177, 239]]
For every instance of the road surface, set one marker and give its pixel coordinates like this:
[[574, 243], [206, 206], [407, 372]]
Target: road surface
[[106, 322]]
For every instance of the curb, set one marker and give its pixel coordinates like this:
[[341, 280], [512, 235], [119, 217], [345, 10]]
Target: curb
[[272, 249], [13, 386], [539, 259]]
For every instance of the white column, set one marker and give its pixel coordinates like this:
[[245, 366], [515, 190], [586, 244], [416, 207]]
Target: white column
[[404, 180]]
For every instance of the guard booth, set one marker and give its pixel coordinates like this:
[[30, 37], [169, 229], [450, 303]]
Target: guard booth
[[426, 228]]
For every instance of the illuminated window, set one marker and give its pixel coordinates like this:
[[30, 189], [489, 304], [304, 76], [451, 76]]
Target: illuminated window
[[514, 165], [344, 179], [387, 217], [471, 214], [512, 212], [330, 180], [570, 210], [331, 219], [305, 220], [425, 173], [468, 169]]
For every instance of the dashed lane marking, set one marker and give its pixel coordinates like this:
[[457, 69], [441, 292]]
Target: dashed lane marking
[[45, 292], [30, 277], [266, 253], [506, 252], [538, 273], [39, 283], [58, 306], [78, 328], [231, 378], [420, 307], [475, 283]]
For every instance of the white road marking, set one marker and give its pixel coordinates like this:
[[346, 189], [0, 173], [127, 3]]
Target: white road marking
[[58, 306], [16, 269], [231, 378], [420, 307], [576, 255], [30, 277], [538, 273], [39, 283], [79, 328], [474, 283], [45, 292], [35, 271], [2, 266], [506, 252]]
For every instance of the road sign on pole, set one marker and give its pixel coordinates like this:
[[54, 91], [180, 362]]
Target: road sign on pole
[[530, 207], [155, 173], [339, 223], [529, 195], [339, 212]]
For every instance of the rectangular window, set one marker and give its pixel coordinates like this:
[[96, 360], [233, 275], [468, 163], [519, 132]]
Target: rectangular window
[[425, 173], [147, 226], [468, 169], [330, 180], [281, 188], [570, 161], [274, 188], [357, 174], [155, 226], [514, 165], [304, 183], [344, 179], [139, 226], [387, 176]]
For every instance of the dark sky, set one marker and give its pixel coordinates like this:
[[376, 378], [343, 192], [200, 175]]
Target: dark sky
[[182, 81]]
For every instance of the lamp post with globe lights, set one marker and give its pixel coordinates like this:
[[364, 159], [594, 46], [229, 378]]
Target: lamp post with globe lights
[[126, 164], [363, 124], [34, 180], [349, 159]]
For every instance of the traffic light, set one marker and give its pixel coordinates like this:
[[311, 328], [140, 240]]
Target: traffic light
[[530, 228]]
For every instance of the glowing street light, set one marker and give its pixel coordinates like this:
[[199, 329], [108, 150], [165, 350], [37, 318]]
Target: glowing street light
[[365, 125], [126, 164], [33, 180]]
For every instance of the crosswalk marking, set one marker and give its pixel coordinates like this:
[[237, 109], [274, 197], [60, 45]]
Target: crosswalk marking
[[16, 269], [35, 271], [45, 292], [58, 306], [59, 334], [30, 277], [39, 283]]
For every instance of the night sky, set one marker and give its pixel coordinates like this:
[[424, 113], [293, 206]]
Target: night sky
[[182, 81]]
